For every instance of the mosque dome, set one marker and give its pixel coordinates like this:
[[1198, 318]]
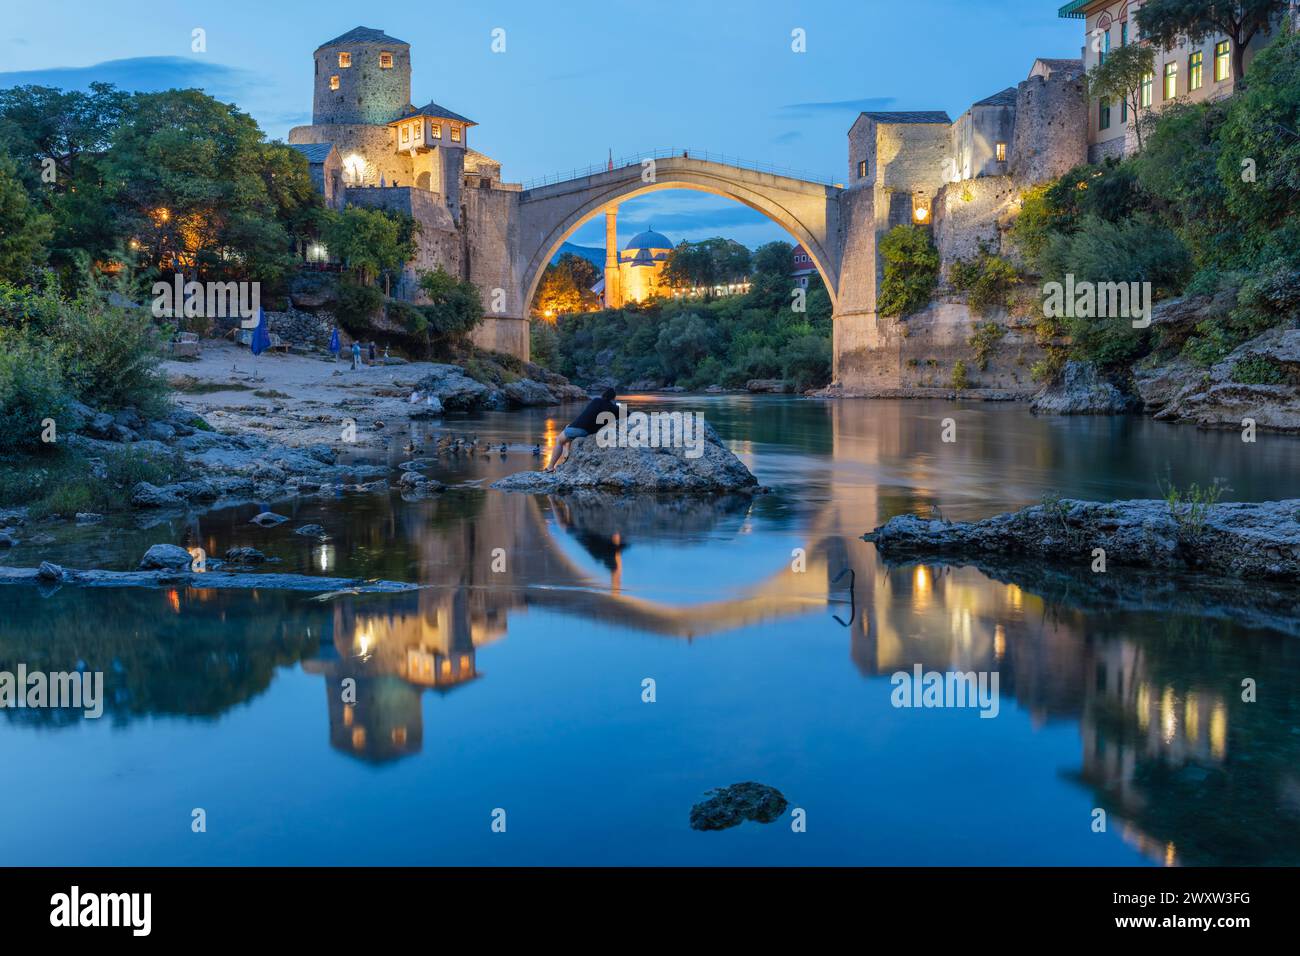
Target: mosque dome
[[648, 240]]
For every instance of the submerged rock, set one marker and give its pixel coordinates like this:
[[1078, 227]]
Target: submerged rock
[[1081, 390], [245, 556], [268, 519], [310, 530], [166, 557], [641, 469], [48, 571], [729, 806], [1242, 539]]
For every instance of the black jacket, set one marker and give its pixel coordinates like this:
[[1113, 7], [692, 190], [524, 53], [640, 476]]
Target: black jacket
[[587, 420]]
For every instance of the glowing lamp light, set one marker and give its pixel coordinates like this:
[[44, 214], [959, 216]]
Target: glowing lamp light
[[354, 168], [920, 214]]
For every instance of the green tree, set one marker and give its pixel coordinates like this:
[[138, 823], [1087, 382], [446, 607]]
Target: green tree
[[24, 232], [368, 241], [1169, 22], [1120, 76], [455, 306]]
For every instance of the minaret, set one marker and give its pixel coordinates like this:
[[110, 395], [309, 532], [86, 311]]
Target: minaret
[[613, 290]]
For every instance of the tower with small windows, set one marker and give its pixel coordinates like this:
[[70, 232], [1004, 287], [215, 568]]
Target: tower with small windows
[[362, 77]]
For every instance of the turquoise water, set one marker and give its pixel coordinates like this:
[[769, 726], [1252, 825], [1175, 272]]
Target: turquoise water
[[520, 690]]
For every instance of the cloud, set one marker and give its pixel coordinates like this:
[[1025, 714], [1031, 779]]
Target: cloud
[[810, 110], [145, 74], [790, 137]]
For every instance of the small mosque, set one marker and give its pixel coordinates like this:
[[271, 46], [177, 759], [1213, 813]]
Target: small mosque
[[636, 273]]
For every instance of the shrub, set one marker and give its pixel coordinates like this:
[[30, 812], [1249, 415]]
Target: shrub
[[960, 379], [31, 390], [1258, 370], [807, 363], [911, 271], [983, 341], [357, 306], [987, 279]]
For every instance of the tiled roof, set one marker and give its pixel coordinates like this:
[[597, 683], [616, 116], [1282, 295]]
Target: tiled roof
[[315, 152], [908, 116], [433, 109], [1006, 97], [363, 35], [1073, 10]]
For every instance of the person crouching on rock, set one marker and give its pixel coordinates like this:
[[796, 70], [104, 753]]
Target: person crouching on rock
[[585, 424]]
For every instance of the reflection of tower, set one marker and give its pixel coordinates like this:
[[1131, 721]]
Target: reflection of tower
[[613, 290]]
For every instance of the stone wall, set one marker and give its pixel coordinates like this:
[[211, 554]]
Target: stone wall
[[374, 143], [490, 221], [1051, 127], [972, 212], [438, 242], [366, 93], [1107, 149]]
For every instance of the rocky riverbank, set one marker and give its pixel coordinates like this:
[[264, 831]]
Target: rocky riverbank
[[1258, 540]]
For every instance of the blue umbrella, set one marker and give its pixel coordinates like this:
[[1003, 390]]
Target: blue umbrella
[[261, 340], [335, 344], [261, 335]]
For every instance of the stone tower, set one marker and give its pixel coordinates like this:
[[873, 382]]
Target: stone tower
[[362, 77]]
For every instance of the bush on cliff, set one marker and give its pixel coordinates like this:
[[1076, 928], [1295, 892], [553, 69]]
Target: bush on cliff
[[911, 271]]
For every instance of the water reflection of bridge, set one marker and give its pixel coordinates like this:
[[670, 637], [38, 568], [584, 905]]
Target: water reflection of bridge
[[1135, 712]]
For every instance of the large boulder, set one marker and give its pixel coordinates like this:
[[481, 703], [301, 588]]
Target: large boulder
[[456, 390], [1082, 390], [1241, 539], [1259, 380], [166, 557], [589, 465], [729, 806], [527, 392]]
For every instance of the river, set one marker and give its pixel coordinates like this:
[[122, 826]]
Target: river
[[511, 689]]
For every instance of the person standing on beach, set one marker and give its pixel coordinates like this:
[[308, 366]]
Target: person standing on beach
[[356, 356]]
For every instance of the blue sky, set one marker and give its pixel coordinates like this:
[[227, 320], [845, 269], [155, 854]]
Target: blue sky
[[578, 78]]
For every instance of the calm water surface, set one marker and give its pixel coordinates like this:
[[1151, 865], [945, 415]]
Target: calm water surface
[[521, 689]]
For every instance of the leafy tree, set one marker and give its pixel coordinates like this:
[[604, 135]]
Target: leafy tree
[[368, 241], [455, 306], [24, 232], [566, 286], [708, 263], [1120, 75], [1168, 22], [911, 270]]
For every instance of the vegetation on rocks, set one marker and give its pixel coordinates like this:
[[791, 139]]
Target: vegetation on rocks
[[911, 271]]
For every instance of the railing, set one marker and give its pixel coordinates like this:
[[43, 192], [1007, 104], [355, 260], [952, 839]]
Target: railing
[[680, 153]]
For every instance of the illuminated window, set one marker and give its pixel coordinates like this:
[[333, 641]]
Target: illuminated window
[[1171, 80], [455, 134], [406, 133], [435, 130], [1222, 60], [1000, 151], [1194, 70], [1144, 91], [385, 61], [862, 169], [334, 82], [345, 60], [1103, 113]]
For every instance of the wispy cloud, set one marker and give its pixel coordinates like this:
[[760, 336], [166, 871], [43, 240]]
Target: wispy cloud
[[825, 107], [145, 74]]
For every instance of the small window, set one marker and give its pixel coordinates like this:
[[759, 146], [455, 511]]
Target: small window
[[334, 82], [385, 61], [1105, 45], [1123, 109], [406, 134], [1144, 91], [435, 131], [1222, 61], [1000, 151], [862, 169], [1171, 80], [455, 134], [345, 60], [1123, 34], [1194, 70], [1103, 113]]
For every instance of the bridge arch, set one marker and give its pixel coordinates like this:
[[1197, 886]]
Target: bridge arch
[[808, 211]]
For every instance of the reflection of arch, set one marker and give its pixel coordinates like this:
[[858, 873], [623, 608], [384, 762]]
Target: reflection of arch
[[808, 211]]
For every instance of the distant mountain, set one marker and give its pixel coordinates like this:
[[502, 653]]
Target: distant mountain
[[594, 255]]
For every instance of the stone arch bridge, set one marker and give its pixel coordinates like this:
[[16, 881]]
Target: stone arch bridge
[[814, 213]]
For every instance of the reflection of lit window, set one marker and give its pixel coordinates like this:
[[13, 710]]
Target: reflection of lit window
[[446, 668], [334, 82], [345, 60], [399, 736], [347, 715], [358, 737], [385, 61]]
